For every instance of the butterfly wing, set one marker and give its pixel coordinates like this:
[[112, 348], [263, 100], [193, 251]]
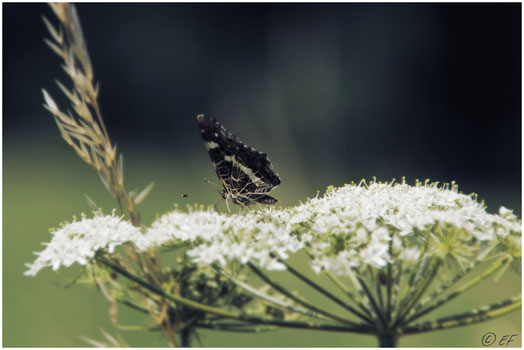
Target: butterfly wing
[[242, 170]]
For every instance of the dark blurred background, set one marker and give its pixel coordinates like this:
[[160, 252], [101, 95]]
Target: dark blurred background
[[332, 92]]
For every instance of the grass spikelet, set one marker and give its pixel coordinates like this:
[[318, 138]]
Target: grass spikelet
[[83, 127]]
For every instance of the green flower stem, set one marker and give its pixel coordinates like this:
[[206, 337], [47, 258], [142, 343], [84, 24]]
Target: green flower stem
[[373, 302], [418, 294], [269, 299], [302, 302], [345, 289], [339, 284], [132, 305], [185, 341], [459, 291], [389, 283], [414, 285], [388, 340], [311, 326], [379, 294], [358, 328], [421, 258], [439, 291], [468, 318], [495, 307], [234, 328], [396, 288], [412, 281], [306, 280]]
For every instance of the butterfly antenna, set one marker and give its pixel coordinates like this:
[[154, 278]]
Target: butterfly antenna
[[211, 182]]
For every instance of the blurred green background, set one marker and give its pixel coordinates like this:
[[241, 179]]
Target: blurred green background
[[333, 93]]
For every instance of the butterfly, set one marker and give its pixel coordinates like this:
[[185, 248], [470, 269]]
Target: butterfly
[[246, 174]]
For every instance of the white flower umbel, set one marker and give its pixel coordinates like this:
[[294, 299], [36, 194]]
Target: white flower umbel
[[353, 227], [369, 225], [221, 238], [80, 240]]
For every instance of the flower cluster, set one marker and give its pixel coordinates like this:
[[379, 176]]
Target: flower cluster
[[351, 227], [221, 238], [369, 225], [80, 240]]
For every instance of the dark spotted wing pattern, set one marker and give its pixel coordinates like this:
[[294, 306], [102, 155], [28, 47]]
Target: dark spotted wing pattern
[[245, 173]]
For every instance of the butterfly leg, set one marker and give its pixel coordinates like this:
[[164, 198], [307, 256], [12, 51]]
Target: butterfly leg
[[217, 208], [227, 205]]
